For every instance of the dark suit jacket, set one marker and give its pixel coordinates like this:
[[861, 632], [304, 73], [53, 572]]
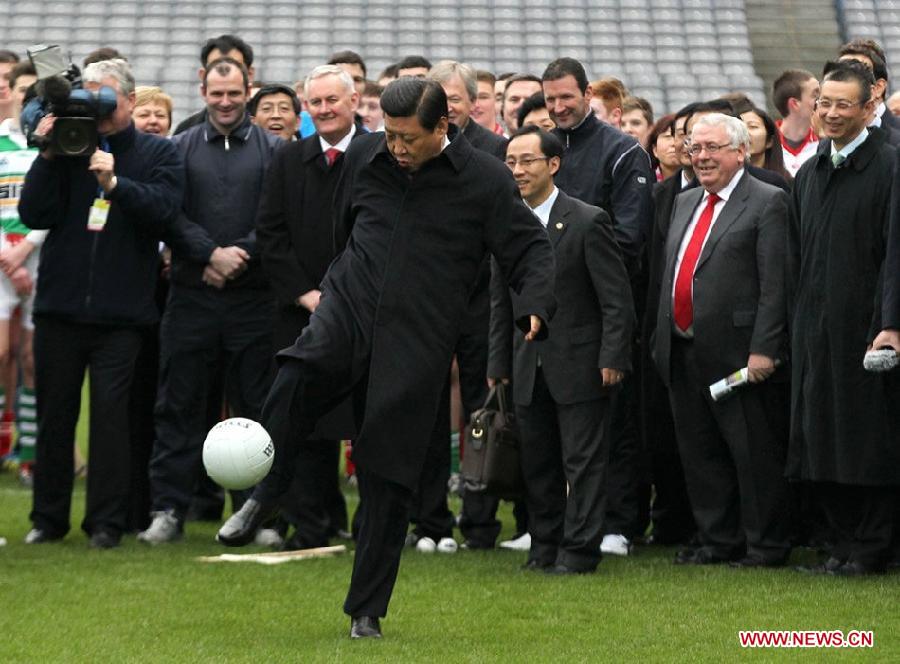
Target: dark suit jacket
[[594, 319], [294, 221], [485, 140], [739, 281]]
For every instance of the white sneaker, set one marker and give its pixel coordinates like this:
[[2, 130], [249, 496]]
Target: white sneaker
[[2, 541], [615, 545], [164, 528], [268, 537], [426, 545], [522, 543], [447, 545]]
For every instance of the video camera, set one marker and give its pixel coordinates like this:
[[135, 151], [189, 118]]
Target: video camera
[[59, 92]]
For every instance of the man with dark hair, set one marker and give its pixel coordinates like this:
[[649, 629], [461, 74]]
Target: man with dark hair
[[220, 303], [223, 46], [562, 385], [533, 111], [519, 87], [389, 74], [413, 65], [794, 93], [421, 208], [870, 53], [352, 63], [844, 420], [608, 169], [276, 109], [103, 53]]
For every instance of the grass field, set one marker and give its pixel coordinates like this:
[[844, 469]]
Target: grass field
[[63, 602]]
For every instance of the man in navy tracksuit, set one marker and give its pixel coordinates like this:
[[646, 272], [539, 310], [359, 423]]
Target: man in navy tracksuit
[[220, 303], [94, 294], [608, 169]]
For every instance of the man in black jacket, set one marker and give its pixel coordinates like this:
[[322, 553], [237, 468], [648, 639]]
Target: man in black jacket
[[420, 209], [294, 229], [608, 169], [95, 293], [220, 301], [562, 385], [223, 46], [840, 248], [433, 518]]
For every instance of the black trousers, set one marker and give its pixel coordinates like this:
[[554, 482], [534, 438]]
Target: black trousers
[[298, 396], [198, 326], [62, 352], [670, 514], [733, 453], [430, 513], [564, 445], [861, 520], [314, 504], [623, 508], [143, 394], [384, 515]]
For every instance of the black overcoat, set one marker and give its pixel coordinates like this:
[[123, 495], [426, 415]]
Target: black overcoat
[[397, 293], [845, 421]]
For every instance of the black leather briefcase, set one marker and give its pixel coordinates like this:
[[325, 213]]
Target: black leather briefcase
[[490, 462]]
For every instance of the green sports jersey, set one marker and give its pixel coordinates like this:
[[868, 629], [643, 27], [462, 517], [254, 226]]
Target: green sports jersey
[[15, 160]]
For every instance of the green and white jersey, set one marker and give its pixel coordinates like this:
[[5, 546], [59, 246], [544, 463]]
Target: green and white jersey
[[15, 160]]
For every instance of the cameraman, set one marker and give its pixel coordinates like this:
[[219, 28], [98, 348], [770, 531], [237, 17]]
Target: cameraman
[[106, 214]]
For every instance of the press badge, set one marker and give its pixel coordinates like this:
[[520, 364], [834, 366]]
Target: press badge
[[98, 215]]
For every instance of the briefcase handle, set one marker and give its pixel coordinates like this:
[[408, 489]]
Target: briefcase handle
[[497, 394]]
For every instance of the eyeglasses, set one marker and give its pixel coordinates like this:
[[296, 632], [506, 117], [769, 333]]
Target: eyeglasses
[[524, 161], [840, 104], [711, 148]]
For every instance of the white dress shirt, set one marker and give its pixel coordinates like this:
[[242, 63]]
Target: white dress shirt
[[342, 144], [542, 211], [724, 195]]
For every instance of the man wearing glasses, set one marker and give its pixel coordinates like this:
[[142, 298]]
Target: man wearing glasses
[[844, 420], [562, 385], [722, 308]]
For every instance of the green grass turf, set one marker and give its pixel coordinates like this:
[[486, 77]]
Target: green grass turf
[[63, 602]]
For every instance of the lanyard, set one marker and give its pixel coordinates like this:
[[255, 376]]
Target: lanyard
[[104, 145]]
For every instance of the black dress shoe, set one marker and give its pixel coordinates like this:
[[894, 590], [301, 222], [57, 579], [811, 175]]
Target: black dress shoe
[[564, 570], [104, 539], [241, 527], [856, 568], [534, 565], [755, 560], [826, 567], [475, 545], [701, 556], [685, 556], [365, 627]]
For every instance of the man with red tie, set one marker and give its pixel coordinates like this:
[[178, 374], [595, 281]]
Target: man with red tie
[[725, 310], [296, 240]]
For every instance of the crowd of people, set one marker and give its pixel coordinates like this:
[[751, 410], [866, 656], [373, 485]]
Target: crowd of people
[[345, 257]]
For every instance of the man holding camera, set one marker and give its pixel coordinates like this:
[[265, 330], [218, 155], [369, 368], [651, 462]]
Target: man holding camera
[[106, 214]]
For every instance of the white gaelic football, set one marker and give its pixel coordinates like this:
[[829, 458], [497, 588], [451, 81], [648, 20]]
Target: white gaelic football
[[238, 453]]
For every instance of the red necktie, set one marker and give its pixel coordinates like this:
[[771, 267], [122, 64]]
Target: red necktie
[[331, 154], [684, 298]]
